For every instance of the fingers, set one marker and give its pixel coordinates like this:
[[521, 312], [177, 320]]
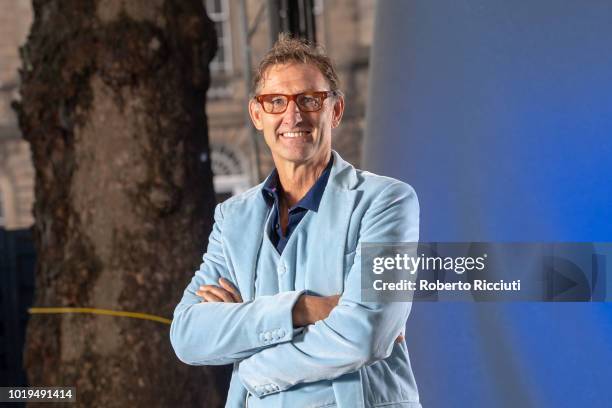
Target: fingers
[[215, 293], [400, 338], [325, 304], [208, 297], [332, 300], [227, 285]]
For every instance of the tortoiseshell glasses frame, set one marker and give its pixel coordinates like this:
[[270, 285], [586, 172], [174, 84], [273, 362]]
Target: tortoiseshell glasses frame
[[305, 101]]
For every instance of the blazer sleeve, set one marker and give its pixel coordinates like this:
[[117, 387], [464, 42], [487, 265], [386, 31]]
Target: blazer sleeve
[[355, 333], [215, 333]]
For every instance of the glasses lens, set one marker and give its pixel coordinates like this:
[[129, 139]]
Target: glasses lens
[[274, 103], [309, 102]]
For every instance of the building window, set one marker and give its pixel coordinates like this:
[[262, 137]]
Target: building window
[[229, 175], [218, 11]]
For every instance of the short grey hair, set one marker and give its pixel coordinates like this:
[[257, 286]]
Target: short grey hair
[[295, 50]]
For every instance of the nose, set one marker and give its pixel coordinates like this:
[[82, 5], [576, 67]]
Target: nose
[[293, 115]]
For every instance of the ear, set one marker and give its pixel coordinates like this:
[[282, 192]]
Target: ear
[[255, 112], [338, 111]]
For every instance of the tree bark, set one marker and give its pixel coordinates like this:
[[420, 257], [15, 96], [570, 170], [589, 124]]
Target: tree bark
[[112, 103]]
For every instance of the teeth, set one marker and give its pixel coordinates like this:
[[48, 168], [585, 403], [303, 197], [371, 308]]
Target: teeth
[[294, 134]]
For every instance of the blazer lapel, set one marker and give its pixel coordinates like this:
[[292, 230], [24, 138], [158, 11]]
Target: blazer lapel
[[328, 231], [330, 237], [244, 231]]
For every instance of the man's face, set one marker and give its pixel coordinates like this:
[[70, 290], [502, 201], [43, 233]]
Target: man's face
[[295, 136]]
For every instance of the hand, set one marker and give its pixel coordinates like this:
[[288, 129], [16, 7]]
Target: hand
[[225, 293], [310, 309]]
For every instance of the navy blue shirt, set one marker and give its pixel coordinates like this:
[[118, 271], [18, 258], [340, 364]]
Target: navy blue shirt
[[312, 199]]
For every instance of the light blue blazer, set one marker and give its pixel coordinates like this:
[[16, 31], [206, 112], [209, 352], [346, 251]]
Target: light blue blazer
[[354, 347]]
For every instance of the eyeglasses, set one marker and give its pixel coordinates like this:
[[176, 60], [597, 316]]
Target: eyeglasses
[[306, 101]]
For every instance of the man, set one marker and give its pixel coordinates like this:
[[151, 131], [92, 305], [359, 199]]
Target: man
[[279, 291]]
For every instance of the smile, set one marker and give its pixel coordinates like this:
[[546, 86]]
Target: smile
[[294, 134]]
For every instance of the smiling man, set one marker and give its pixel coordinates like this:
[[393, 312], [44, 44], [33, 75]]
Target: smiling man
[[278, 293]]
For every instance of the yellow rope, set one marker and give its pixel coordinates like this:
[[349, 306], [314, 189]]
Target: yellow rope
[[135, 315]]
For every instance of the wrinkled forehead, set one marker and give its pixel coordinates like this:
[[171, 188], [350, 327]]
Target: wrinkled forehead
[[292, 78]]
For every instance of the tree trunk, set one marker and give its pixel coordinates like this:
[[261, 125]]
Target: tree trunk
[[113, 96]]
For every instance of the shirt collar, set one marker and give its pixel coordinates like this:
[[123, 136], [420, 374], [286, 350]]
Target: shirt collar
[[310, 201]]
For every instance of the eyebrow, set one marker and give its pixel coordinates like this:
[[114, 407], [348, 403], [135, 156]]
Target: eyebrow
[[293, 93]]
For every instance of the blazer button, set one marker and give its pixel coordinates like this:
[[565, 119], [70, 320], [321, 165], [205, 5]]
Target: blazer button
[[281, 268]]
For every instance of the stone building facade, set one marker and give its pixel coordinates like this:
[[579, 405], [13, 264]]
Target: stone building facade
[[343, 27], [16, 172]]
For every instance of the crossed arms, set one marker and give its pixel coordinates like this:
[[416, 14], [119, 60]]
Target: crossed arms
[[336, 338], [307, 310]]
